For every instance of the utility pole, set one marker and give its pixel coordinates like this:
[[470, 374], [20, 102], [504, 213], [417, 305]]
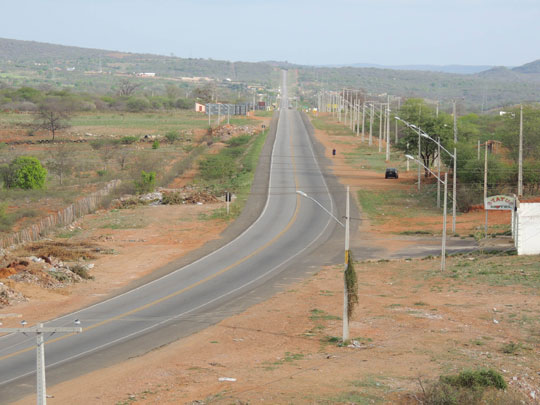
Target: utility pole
[[438, 172], [39, 330], [443, 253], [371, 124], [485, 189], [388, 130], [363, 119], [520, 159], [420, 159], [380, 127], [454, 191], [345, 290], [455, 120]]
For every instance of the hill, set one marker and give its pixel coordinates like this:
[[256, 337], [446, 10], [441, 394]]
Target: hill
[[532, 67], [95, 70]]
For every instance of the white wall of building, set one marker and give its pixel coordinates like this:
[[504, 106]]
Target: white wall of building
[[528, 229]]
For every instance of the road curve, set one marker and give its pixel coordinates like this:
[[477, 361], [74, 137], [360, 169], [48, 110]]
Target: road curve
[[288, 227]]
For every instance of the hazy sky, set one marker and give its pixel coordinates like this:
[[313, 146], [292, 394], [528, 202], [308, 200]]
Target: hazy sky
[[391, 32]]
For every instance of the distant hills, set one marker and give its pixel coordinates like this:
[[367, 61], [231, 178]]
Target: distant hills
[[459, 69], [94, 70]]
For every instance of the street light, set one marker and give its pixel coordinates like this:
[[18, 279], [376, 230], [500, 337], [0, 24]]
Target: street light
[[347, 233], [445, 182], [418, 131], [454, 174]]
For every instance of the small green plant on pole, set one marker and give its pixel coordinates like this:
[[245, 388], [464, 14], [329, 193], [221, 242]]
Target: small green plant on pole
[[351, 283]]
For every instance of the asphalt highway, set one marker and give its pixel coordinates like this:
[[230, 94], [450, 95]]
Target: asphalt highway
[[288, 227]]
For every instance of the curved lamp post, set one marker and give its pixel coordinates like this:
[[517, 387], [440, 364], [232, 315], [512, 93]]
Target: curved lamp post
[[445, 183], [347, 232]]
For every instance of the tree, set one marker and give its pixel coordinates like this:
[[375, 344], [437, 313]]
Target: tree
[[172, 91], [106, 149], [52, 115], [61, 161], [203, 94], [417, 112], [126, 87], [531, 132], [25, 172]]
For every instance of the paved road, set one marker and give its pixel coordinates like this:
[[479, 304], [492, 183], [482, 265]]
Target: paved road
[[288, 227]]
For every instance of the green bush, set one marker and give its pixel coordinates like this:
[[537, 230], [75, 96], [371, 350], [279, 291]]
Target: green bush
[[475, 379], [468, 387], [217, 167], [25, 172], [171, 136], [239, 140], [155, 144], [128, 140], [137, 104], [146, 183]]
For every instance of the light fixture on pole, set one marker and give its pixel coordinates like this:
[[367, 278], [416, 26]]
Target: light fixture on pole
[[454, 174], [347, 234], [445, 183]]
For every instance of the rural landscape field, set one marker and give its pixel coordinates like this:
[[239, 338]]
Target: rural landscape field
[[191, 230]]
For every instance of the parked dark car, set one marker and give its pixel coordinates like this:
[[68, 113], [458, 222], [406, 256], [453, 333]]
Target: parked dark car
[[391, 173]]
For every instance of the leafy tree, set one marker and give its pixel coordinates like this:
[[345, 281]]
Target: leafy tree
[[531, 132], [146, 183], [204, 93], [417, 112], [25, 172]]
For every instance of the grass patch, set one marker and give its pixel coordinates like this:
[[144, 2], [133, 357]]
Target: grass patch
[[319, 314]]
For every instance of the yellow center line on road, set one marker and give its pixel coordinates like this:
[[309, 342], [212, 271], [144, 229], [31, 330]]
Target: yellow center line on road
[[198, 283]]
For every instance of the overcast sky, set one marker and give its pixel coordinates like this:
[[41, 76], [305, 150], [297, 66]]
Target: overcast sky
[[390, 32]]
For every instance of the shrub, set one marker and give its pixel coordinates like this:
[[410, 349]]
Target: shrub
[[155, 144], [238, 140], [137, 104], [216, 167], [128, 140], [25, 172], [146, 183], [476, 378], [82, 272], [171, 136], [468, 387]]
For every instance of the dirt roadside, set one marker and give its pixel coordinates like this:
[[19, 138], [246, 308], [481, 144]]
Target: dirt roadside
[[410, 323]]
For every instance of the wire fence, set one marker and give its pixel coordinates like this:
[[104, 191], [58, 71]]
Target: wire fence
[[63, 217]]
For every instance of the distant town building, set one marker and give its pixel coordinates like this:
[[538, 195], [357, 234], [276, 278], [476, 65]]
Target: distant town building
[[200, 108], [146, 74]]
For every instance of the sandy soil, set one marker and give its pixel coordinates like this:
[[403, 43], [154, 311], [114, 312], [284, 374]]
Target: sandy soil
[[410, 323]]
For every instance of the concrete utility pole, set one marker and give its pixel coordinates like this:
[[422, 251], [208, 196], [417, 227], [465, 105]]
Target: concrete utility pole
[[39, 330], [455, 120], [420, 159], [363, 120], [485, 189], [371, 124], [345, 290], [439, 172], [443, 253], [454, 192], [520, 159], [388, 130], [380, 127]]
